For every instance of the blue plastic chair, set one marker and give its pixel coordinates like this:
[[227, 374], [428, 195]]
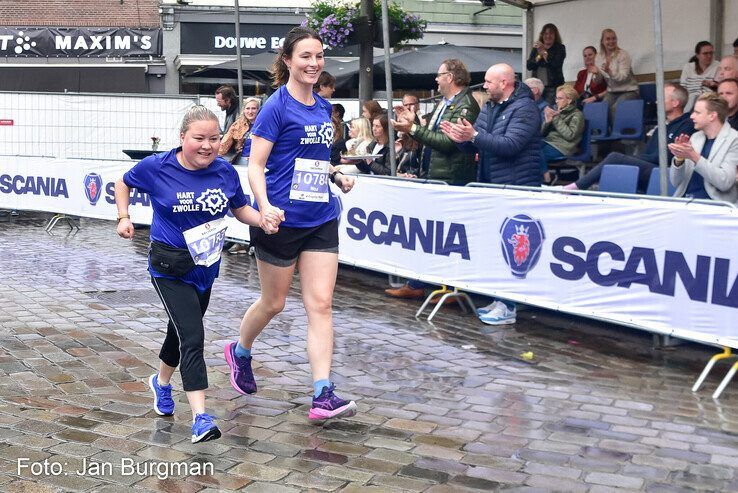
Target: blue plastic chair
[[596, 114], [654, 184], [628, 122], [619, 178]]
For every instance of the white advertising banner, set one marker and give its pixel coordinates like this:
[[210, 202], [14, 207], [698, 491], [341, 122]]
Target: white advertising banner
[[81, 187], [666, 266]]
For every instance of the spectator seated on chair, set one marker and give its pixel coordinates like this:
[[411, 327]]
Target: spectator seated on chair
[[704, 165], [698, 75], [728, 69], [562, 129], [590, 84], [728, 90], [536, 87], [678, 122]]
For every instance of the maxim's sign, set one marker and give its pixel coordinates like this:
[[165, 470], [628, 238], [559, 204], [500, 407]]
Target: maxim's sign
[[79, 42]]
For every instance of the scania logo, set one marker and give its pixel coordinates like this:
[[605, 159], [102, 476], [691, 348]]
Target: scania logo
[[93, 187], [521, 239]]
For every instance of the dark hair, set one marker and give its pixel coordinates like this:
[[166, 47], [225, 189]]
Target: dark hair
[[458, 71], [680, 93], [339, 110], [735, 43], [731, 80], [228, 93], [337, 128], [384, 121], [325, 79], [280, 73], [590, 48], [698, 47], [373, 108], [557, 36]]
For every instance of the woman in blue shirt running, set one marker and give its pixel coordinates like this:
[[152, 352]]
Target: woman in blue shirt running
[[191, 191], [289, 169]]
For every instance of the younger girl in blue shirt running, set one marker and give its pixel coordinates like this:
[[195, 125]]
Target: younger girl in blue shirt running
[[289, 169], [191, 191]]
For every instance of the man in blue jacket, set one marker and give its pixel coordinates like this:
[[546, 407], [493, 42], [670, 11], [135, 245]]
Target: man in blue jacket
[[507, 136], [678, 122]]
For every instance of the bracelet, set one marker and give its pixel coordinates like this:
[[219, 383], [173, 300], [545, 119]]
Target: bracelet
[[123, 216], [333, 176]]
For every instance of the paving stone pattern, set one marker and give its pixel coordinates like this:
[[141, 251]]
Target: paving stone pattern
[[443, 407]]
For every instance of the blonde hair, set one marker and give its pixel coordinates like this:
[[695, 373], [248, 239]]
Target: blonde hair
[[568, 91], [603, 50], [252, 100], [715, 104], [196, 113], [363, 128]]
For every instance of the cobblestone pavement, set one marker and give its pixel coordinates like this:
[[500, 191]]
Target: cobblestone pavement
[[449, 406]]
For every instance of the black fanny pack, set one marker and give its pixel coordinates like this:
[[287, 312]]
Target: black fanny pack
[[169, 260]]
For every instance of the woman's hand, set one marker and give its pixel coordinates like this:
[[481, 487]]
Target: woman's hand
[[125, 228], [590, 99], [270, 218], [345, 183], [549, 113]]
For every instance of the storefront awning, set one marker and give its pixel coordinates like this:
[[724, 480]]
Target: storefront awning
[[75, 78]]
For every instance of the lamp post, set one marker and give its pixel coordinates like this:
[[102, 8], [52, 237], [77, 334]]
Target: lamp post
[[366, 52], [239, 64]]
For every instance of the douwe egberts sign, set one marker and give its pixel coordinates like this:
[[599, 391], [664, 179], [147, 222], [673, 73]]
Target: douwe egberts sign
[[79, 42]]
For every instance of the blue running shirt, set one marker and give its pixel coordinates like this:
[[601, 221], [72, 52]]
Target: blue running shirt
[[183, 199], [297, 131]]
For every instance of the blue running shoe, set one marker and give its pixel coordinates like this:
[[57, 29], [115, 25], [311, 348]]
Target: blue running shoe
[[163, 403], [203, 429]]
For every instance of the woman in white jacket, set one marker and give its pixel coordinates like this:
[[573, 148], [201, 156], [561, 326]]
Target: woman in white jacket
[[614, 65]]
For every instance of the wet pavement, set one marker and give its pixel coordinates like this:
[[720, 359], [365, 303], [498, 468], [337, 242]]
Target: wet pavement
[[448, 406]]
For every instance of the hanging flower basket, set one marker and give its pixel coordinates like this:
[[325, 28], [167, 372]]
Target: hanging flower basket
[[338, 22]]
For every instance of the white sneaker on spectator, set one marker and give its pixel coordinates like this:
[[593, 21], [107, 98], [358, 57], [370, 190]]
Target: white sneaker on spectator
[[486, 309], [500, 315]]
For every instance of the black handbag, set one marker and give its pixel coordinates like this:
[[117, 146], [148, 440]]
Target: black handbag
[[169, 260]]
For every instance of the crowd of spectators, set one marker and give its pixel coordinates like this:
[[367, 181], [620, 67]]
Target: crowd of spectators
[[511, 131]]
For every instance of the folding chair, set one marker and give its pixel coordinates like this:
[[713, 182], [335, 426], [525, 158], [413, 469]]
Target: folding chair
[[619, 178], [596, 114], [628, 121]]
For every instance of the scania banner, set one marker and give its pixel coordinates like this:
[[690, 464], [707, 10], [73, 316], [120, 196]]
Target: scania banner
[[664, 266], [79, 42]]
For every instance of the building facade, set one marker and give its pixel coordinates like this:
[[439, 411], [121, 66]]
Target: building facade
[[88, 46]]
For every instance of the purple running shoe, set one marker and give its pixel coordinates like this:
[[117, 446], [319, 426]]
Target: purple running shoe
[[242, 378], [328, 405]]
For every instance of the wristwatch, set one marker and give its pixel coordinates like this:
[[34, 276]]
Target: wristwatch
[[474, 136], [123, 216]]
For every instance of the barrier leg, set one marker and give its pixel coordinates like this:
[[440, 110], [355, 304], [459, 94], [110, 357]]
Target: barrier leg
[[427, 301], [725, 381], [727, 353], [52, 222], [460, 298]]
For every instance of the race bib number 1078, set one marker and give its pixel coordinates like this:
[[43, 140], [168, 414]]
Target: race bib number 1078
[[310, 181]]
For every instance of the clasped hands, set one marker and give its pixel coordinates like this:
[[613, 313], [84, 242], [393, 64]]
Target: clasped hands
[[269, 219], [682, 148], [463, 131]]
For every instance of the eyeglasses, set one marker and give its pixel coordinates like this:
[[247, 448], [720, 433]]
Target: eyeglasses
[[442, 73], [707, 53], [560, 98]]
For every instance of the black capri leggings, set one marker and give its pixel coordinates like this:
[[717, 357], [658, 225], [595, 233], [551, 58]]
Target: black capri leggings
[[185, 340]]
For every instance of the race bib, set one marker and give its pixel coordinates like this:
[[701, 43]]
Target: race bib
[[310, 181], [205, 242]]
